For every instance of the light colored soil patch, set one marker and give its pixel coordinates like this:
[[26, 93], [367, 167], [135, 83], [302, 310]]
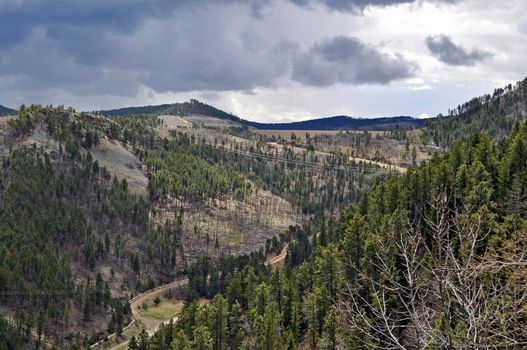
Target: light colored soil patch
[[41, 139], [382, 150], [3, 133], [111, 154], [322, 155], [121, 162], [172, 122], [38, 137], [210, 121]]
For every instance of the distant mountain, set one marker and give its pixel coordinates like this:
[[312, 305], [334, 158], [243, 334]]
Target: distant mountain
[[494, 114], [6, 111], [194, 107], [342, 123]]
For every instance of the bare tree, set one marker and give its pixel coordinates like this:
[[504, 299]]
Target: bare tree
[[448, 289]]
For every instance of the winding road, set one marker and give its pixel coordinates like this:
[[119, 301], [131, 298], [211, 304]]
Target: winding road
[[151, 325]]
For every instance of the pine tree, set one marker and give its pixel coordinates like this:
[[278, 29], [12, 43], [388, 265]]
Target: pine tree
[[181, 341], [329, 335], [289, 342], [219, 321], [142, 343], [202, 338], [268, 328], [311, 312], [235, 333], [132, 344], [352, 245], [323, 239]]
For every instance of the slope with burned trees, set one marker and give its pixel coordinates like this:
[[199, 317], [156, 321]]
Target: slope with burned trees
[[433, 259], [95, 210]]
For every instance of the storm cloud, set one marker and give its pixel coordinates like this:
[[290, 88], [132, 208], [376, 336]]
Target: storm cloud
[[157, 51], [348, 60], [120, 47], [253, 54], [448, 52]]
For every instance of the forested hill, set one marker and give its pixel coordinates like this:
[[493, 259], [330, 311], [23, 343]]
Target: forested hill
[[434, 259], [6, 111], [494, 114], [99, 209], [194, 107], [342, 123]]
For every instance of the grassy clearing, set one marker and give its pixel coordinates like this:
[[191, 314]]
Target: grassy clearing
[[135, 329], [166, 309], [123, 346]]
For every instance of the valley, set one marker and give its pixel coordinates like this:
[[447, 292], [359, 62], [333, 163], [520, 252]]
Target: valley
[[144, 222], [136, 220], [163, 305]]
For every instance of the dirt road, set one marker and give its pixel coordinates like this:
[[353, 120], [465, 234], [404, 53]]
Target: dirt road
[[356, 159], [279, 259], [397, 168], [135, 303], [151, 325]]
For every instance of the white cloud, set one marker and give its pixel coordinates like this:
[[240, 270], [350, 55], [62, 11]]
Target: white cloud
[[424, 116]]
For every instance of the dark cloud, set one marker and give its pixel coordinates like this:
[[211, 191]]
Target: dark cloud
[[39, 63], [349, 5], [215, 57], [121, 47], [347, 60], [358, 5], [191, 49], [446, 51], [65, 19], [59, 17]]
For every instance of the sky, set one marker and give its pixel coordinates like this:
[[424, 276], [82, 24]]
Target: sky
[[264, 60]]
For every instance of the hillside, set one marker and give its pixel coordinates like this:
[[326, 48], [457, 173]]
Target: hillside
[[432, 259], [115, 206], [494, 114], [6, 111], [112, 207], [195, 108], [95, 210]]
